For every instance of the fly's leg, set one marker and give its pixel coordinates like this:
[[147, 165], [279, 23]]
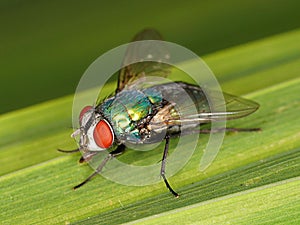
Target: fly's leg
[[82, 159], [118, 151], [163, 166], [87, 156], [215, 130], [229, 129], [68, 151]]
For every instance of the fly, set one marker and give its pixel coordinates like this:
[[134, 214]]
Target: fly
[[138, 114]]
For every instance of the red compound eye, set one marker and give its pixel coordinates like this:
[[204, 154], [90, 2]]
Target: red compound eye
[[83, 111], [103, 134]]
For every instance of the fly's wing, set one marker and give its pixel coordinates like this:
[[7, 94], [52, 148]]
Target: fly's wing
[[148, 57], [140, 60], [236, 107], [197, 107]]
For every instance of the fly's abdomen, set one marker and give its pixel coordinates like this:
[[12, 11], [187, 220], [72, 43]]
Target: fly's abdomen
[[189, 99], [183, 104], [197, 98]]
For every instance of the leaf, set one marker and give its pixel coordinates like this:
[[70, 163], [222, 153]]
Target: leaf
[[275, 203], [251, 168]]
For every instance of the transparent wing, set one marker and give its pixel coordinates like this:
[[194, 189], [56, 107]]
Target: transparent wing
[[236, 107], [196, 106], [148, 57]]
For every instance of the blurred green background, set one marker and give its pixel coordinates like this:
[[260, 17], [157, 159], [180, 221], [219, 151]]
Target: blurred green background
[[45, 46]]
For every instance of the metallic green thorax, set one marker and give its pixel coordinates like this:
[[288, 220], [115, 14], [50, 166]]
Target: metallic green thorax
[[127, 108]]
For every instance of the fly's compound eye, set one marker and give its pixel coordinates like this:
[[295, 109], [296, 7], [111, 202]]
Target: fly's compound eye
[[83, 111], [103, 134]]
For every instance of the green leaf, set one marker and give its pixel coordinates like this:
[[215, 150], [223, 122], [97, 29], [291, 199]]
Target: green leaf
[[275, 203], [254, 178]]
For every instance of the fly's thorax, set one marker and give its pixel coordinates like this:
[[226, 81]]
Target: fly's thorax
[[96, 133], [128, 113]]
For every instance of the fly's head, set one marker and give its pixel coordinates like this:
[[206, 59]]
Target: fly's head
[[96, 134]]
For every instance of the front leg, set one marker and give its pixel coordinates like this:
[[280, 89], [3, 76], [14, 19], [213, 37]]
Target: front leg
[[118, 151]]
